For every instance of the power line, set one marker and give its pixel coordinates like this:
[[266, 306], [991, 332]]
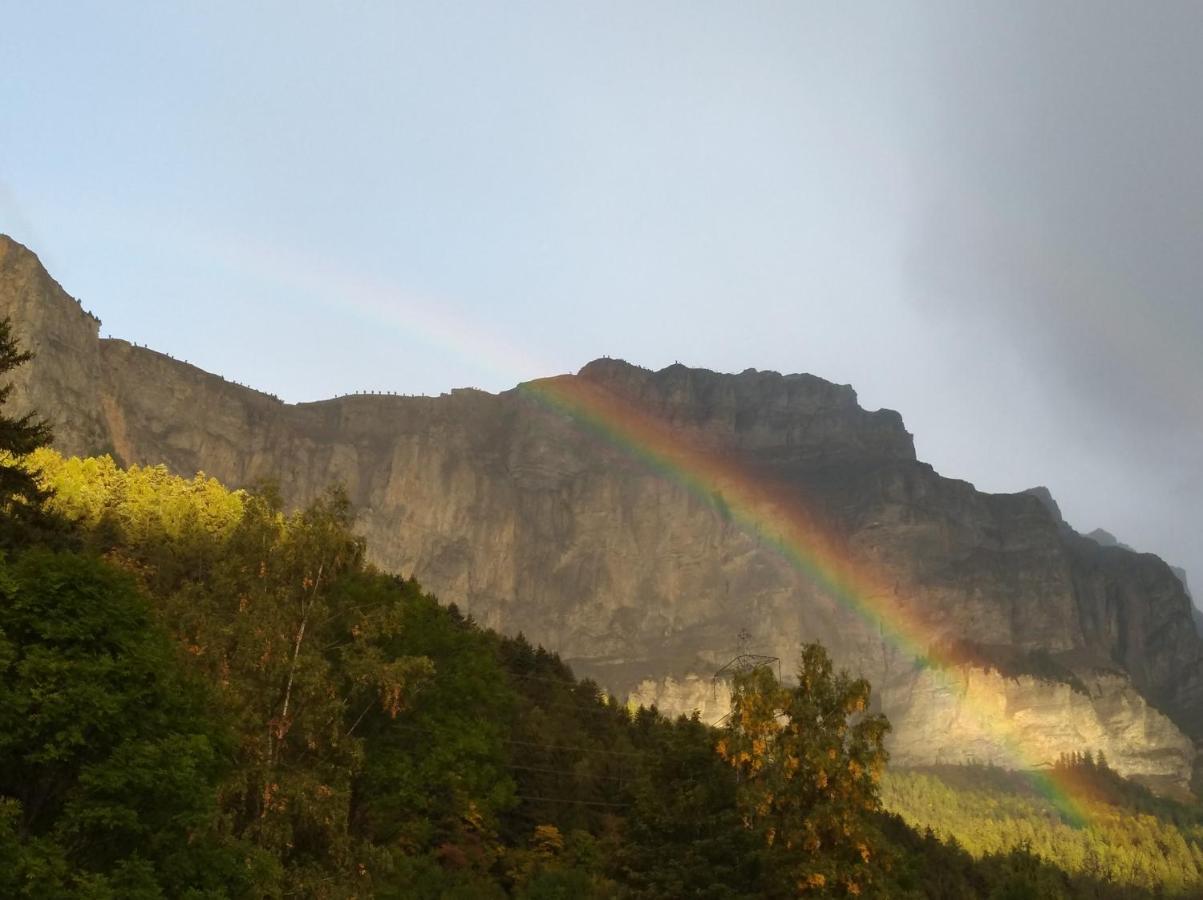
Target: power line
[[567, 772], [555, 749], [549, 747], [563, 681], [614, 711], [567, 800]]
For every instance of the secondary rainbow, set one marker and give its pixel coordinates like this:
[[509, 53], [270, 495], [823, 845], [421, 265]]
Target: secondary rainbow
[[753, 504]]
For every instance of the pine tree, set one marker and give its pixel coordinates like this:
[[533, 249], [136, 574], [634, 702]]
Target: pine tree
[[23, 519], [18, 435]]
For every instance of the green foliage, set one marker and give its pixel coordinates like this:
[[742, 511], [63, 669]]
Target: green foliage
[[686, 836], [436, 776], [281, 615], [169, 530], [570, 743], [1131, 838], [233, 703], [109, 758]]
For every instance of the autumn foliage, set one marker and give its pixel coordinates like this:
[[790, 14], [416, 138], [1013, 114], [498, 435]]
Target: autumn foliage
[[808, 758]]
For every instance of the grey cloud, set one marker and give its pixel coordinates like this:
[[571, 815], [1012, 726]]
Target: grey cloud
[[1062, 215]]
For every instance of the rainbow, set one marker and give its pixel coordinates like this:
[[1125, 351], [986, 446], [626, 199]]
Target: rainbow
[[755, 505]]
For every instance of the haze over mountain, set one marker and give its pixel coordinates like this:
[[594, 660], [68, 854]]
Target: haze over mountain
[[524, 516], [981, 214]]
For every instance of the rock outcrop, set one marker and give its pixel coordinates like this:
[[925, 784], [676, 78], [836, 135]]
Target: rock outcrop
[[533, 523], [1043, 718]]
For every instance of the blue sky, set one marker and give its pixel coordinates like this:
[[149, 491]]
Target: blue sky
[[974, 216], [653, 183]]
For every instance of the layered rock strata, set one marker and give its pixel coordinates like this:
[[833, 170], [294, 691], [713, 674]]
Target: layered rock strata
[[511, 509]]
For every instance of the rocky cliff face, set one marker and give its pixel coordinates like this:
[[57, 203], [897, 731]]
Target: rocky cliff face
[[1044, 718], [514, 511], [61, 383]]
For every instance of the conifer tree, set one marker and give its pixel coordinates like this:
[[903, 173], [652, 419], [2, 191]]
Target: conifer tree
[[19, 435], [23, 518]]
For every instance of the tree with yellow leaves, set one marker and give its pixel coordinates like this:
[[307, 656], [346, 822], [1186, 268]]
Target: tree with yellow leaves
[[808, 758]]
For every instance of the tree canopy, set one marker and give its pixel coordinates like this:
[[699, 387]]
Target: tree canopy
[[209, 695], [205, 695]]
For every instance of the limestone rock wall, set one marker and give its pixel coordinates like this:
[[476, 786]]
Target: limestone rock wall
[[510, 509], [61, 382], [952, 718]]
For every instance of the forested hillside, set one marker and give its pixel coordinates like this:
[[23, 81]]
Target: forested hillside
[[204, 695], [636, 521], [1133, 837]]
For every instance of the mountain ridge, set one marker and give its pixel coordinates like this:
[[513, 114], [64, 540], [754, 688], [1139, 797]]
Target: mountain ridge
[[511, 510]]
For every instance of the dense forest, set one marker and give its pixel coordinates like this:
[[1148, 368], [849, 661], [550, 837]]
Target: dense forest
[[1132, 836], [205, 695]]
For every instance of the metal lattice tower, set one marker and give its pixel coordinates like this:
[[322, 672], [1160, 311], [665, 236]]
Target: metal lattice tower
[[744, 661]]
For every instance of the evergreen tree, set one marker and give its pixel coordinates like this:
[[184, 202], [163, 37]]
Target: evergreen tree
[[20, 493], [22, 434], [686, 835]]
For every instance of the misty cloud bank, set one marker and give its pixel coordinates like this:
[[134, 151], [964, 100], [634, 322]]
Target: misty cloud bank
[[1062, 224]]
